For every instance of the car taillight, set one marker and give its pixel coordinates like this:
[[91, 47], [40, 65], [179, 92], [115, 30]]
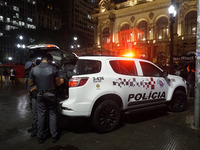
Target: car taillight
[[80, 81]]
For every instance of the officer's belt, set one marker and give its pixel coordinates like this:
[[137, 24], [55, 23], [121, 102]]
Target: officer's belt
[[46, 91]]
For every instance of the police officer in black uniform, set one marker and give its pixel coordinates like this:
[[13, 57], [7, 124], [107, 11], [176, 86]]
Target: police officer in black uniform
[[32, 93], [46, 77]]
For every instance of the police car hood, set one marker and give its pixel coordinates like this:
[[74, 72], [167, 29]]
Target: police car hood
[[175, 78]]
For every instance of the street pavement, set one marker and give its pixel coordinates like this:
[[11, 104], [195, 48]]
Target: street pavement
[[155, 130]]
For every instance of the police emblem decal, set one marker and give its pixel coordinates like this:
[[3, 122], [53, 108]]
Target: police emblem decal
[[161, 83], [98, 86]]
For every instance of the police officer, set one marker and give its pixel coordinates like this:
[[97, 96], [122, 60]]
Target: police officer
[[32, 93], [46, 77]]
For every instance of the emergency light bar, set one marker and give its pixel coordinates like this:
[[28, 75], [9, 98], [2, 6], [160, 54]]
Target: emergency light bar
[[130, 55]]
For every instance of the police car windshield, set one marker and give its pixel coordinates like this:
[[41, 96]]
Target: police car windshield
[[87, 67]]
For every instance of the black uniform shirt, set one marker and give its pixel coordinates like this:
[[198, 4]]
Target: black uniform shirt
[[44, 76]]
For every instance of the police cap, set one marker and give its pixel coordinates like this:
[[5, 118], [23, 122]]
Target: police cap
[[28, 64]]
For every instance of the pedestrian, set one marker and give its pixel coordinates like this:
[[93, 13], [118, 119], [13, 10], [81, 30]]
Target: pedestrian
[[1, 74], [46, 77], [32, 93], [12, 76], [28, 67], [6, 74], [191, 79]]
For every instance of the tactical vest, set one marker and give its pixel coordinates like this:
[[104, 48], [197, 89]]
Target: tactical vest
[[44, 76]]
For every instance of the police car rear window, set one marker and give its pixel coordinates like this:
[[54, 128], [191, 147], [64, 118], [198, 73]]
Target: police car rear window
[[87, 67], [124, 67]]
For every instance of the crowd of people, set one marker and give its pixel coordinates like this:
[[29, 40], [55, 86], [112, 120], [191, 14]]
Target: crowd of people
[[187, 72], [9, 76]]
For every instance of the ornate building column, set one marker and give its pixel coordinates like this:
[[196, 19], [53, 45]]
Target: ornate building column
[[112, 27], [99, 36], [95, 31]]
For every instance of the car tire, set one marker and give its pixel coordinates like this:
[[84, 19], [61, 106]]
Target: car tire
[[178, 102], [106, 116]]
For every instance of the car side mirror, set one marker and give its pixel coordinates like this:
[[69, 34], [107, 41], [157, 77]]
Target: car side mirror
[[165, 74]]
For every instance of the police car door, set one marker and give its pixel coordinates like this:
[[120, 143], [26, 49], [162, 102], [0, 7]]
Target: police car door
[[154, 84], [126, 82]]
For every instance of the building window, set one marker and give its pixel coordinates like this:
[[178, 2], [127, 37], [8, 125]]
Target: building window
[[20, 23], [7, 27], [124, 34], [15, 8], [15, 22], [23, 24], [30, 26], [29, 19], [191, 23], [162, 30], [142, 34], [106, 35], [89, 17], [17, 15], [1, 18]]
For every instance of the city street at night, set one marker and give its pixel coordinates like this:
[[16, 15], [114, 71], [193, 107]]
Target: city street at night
[[108, 59], [161, 130]]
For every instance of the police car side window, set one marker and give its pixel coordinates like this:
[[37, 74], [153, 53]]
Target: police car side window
[[124, 67], [87, 67], [150, 70]]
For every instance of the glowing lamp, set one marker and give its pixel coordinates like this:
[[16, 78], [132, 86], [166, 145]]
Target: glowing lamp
[[130, 55]]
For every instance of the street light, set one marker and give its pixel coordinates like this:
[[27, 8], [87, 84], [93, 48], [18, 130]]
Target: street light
[[21, 37], [75, 45], [172, 13], [9, 58], [21, 46], [75, 38]]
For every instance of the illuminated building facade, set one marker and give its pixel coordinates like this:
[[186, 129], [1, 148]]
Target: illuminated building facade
[[143, 27]]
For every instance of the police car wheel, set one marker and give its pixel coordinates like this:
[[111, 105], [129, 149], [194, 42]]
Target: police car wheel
[[178, 101], [106, 116]]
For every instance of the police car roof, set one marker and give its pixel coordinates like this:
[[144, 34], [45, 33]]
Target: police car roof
[[108, 56]]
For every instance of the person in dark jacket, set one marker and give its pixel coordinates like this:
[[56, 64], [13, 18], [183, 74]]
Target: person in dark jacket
[[46, 77], [32, 93], [6, 74], [191, 79]]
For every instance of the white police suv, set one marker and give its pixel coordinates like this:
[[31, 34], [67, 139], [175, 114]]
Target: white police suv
[[103, 87]]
